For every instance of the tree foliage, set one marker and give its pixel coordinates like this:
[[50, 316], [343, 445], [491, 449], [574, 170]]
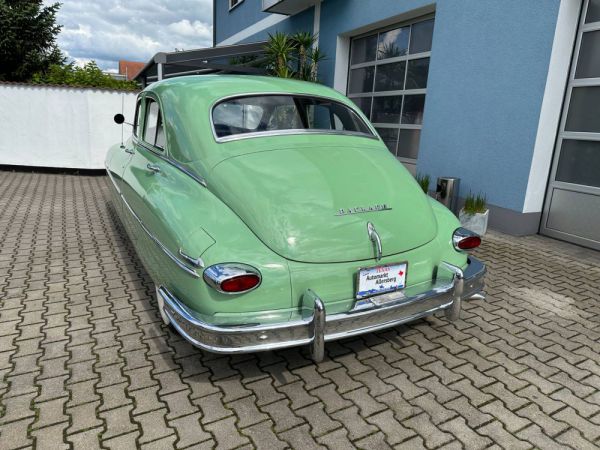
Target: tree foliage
[[88, 75], [293, 56], [28, 33]]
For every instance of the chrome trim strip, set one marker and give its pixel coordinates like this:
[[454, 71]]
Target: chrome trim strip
[[290, 132], [196, 262], [175, 164], [316, 327], [112, 179], [374, 135], [160, 245]]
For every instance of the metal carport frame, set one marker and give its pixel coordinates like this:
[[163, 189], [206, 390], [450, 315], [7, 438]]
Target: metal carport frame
[[205, 60]]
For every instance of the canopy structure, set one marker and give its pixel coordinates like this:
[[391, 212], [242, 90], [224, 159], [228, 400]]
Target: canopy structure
[[241, 58]]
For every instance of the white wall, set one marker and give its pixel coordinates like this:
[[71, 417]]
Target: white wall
[[49, 126]]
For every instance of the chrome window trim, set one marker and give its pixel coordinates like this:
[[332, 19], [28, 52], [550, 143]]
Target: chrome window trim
[[177, 261], [290, 132], [236, 137]]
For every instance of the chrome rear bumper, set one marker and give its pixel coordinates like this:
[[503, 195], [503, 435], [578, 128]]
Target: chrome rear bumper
[[452, 285]]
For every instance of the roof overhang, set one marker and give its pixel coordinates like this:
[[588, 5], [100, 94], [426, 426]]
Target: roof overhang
[[287, 7], [241, 58]]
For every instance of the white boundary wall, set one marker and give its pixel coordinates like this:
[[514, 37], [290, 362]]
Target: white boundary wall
[[63, 127]]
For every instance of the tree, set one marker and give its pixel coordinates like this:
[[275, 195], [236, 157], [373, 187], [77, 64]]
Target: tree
[[27, 39]]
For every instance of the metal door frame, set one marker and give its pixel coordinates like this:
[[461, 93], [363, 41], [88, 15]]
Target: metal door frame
[[562, 134]]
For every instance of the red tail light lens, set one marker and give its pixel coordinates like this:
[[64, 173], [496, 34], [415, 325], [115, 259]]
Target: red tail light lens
[[240, 284], [232, 278], [464, 239]]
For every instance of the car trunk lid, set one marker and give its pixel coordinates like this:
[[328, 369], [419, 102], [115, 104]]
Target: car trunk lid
[[313, 204]]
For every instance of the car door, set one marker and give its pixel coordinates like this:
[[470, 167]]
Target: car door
[[151, 181]]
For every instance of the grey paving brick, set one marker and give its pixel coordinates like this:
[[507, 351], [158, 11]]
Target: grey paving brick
[[394, 431], [424, 427], [226, 433], [320, 422], [189, 430], [300, 437]]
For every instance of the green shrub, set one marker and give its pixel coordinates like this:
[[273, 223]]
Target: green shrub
[[423, 181], [88, 75], [475, 204]]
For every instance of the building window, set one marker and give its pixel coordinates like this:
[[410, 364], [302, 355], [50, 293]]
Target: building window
[[234, 3], [388, 81]]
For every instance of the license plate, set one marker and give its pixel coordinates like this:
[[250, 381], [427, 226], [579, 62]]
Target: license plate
[[381, 279]]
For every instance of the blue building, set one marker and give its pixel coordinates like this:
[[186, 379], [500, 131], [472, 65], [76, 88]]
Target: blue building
[[504, 94]]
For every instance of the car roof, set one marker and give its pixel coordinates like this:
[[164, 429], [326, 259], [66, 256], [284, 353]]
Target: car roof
[[214, 87]]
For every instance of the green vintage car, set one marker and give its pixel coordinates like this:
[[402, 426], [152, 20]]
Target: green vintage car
[[270, 214]]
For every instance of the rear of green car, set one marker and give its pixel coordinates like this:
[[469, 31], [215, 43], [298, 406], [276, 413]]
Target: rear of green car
[[305, 217]]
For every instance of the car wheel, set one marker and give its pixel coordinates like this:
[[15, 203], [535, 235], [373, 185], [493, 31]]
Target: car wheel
[[161, 308]]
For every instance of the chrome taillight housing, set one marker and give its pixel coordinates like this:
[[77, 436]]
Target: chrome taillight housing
[[464, 239], [232, 278]]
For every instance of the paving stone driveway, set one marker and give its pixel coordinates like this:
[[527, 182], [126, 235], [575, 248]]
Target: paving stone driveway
[[85, 360]]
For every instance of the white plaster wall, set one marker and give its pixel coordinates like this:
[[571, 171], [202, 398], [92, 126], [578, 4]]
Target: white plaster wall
[[47, 126]]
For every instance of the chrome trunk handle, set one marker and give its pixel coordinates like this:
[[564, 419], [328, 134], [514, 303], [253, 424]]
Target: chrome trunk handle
[[374, 236], [154, 168], [129, 150]]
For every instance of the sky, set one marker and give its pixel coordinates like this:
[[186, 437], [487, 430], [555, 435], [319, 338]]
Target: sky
[[109, 30]]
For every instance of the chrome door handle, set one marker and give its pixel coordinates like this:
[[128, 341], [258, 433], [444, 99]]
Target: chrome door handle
[[153, 168], [129, 150]]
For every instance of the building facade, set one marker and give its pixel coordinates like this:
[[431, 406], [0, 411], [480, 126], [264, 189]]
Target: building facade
[[503, 94]]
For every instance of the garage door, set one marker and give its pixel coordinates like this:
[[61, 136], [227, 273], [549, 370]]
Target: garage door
[[572, 210]]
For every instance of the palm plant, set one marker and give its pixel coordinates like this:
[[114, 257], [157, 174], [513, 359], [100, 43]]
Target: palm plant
[[293, 56], [279, 50], [303, 42]]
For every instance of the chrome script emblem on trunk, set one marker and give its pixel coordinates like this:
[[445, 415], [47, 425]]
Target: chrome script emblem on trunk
[[362, 209]]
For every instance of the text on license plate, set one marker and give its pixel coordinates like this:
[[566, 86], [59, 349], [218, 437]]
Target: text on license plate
[[380, 279]]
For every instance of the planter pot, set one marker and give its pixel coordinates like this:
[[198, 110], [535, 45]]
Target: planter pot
[[477, 222]]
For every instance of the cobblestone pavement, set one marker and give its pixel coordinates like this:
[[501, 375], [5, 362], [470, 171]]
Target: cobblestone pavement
[[86, 362]]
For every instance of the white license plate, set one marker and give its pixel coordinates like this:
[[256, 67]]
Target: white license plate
[[381, 279]]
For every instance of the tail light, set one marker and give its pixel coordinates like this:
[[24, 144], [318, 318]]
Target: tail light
[[232, 278], [464, 239]]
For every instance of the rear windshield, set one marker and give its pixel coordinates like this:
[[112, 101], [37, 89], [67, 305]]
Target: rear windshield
[[273, 113]]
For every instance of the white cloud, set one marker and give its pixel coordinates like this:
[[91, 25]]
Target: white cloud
[[191, 29], [109, 30]]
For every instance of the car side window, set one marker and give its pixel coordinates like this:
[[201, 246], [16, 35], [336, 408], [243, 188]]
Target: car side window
[[136, 120], [153, 128]]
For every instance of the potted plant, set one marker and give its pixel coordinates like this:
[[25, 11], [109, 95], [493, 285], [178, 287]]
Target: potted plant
[[423, 181], [474, 215]]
